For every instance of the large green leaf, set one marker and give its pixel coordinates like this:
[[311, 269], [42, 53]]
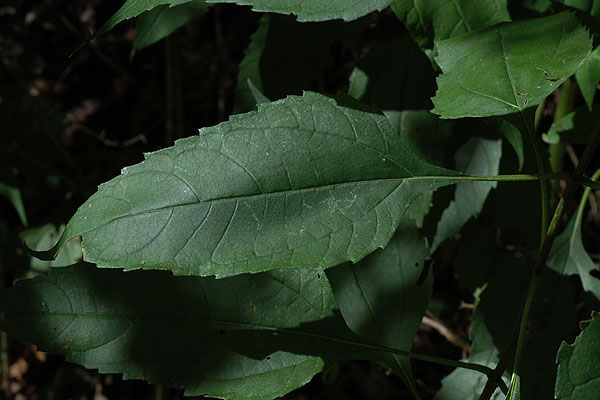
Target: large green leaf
[[305, 181], [160, 22], [314, 10], [395, 76], [247, 337], [578, 375], [381, 298], [509, 67], [479, 156], [588, 77], [133, 8], [430, 21]]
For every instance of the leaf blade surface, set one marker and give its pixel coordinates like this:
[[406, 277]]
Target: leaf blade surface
[[247, 337], [305, 181]]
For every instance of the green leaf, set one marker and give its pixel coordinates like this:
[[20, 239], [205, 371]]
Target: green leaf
[[588, 77], [590, 11], [247, 337], [314, 10], [278, 49], [424, 133], [434, 20], [250, 68], [160, 22], [578, 375], [512, 135], [386, 311], [465, 384], [509, 67], [305, 181], [395, 76], [13, 195], [479, 156], [575, 127], [569, 257], [133, 8]]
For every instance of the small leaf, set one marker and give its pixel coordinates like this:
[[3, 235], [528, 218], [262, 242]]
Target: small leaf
[[387, 311], [465, 384], [247, 337], [434, 20], [569, 257], [133, 8], [249, 70], [578, 375], [160, 22], [575, 127], [479, 156], [588, 77], [305, 181], [314, 10], [13, 195], [509, 67]]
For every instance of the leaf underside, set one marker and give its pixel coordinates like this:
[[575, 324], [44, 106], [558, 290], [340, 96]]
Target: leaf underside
[[307, 181], [248, 337], [509, 67], [370, 305]]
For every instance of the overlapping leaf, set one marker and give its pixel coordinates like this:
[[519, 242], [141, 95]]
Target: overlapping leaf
[[305, 181], [315, 10], [509, 67], [371, 306], [133, 8], [279, 49], [247, 337], [431, 21], [160, 22], [479, 156], [569, 257], [578, 376], [588, 77]]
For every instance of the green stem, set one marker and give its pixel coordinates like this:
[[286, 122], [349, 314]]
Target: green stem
[[417, 356], [535, 146], [585, 196], [547, 246]]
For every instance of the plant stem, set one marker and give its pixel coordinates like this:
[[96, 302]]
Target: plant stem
[[487, 371], [535, 146], [585, 196], [547, 246]]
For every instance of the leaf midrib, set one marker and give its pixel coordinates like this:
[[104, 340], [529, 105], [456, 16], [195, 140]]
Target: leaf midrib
[[258, 195]]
